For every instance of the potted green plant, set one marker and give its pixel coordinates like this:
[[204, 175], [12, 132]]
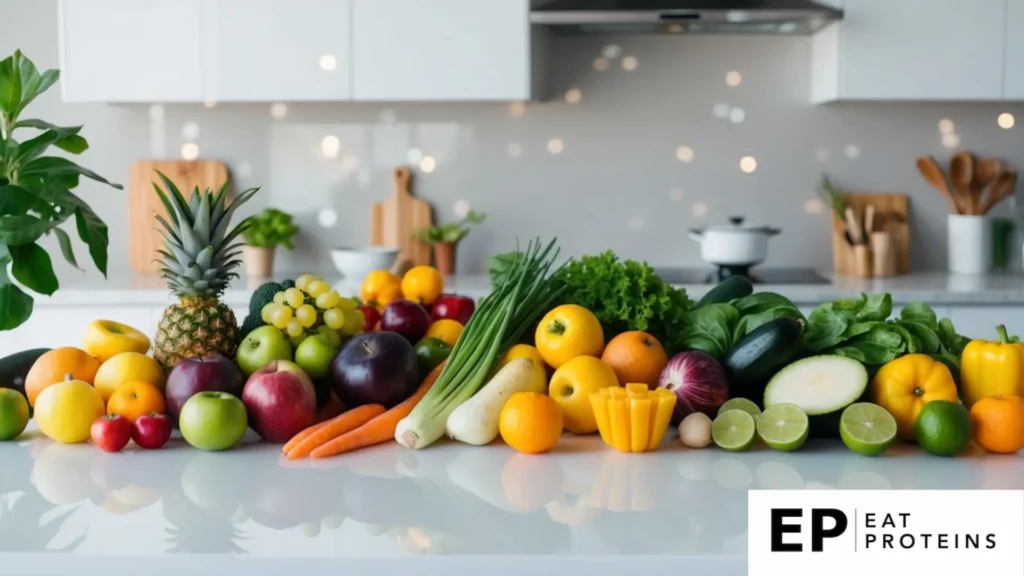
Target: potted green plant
[[36, 196], [263, 233], [444, 239]]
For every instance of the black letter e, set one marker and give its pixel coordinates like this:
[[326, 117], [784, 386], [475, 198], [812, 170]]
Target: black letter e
[[779, 528]]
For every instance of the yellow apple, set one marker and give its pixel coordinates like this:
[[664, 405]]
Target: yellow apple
[[106, 338]]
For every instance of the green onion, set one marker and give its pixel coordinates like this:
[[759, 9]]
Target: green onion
[[527, 291]]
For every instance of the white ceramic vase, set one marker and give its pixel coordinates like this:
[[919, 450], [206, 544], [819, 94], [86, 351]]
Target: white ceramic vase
[[970, 244]]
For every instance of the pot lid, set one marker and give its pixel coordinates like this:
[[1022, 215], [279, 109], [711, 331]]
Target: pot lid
[[737, 224]]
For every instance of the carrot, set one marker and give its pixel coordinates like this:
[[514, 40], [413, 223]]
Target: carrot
[[335, 427], [332, 408], [306, 433], [379, 430]]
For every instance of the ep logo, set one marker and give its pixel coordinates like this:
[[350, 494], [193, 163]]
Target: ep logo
[[824, 523]]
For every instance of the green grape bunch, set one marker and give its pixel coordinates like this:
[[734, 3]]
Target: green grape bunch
[[311, 307]]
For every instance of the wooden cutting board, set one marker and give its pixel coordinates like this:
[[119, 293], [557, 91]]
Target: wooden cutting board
[[143, 239], [393, 221], [892, 215]]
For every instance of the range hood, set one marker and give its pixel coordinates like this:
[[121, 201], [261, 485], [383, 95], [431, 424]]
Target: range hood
[[786, 17]]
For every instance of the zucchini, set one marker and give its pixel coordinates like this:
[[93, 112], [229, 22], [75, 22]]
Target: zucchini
[[727, 290], [822, 386], [752, 361], [15, 367]]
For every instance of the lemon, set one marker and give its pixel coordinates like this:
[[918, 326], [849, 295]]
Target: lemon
[[127, 367], [66, 411]]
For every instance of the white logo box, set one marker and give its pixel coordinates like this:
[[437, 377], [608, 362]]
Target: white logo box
[[933, 532]]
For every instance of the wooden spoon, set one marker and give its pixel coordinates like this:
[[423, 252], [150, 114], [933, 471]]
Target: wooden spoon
[[961, 174], [1003, 187], [932, 174], [986, 173]]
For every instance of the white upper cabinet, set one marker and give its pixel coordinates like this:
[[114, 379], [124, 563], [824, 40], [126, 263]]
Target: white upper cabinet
[[130, 50], [1014, 83], [282, 50], [441, 50], [913, 50]]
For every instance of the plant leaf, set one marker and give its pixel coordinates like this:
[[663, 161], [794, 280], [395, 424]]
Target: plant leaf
[[65, 247], [17, 200], [23, 229], [52, 165], [93, 232], [33, 268], [15, 304], [10, 84], [65, 138]]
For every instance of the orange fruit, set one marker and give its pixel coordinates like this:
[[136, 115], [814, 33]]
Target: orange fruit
[[388, 294], [445, 330], [105, 338], [375, 283], [423, 285], [999, 423], [530, 422], [134, 399], [128, 367], [571, 387], [636, 357], [54, 366], [566, 332]]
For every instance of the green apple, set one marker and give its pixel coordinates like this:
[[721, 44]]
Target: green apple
[[331, 334], [261, 347], [213, 420], [13, 414], [315, 355]]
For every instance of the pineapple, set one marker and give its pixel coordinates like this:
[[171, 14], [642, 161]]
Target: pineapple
[[198, 261]]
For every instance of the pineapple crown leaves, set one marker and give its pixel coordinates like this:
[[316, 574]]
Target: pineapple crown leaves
[[199, 255]]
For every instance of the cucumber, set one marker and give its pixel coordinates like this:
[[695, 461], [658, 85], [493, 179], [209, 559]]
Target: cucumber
[[822, 386], [729, 289], [752, 361], [15, 367]]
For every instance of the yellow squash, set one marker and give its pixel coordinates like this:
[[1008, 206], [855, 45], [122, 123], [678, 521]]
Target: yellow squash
[[992, 369], [634, 418], [906, 384]]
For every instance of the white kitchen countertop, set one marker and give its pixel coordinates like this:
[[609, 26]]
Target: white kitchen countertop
[[449, 509], [934, 288]]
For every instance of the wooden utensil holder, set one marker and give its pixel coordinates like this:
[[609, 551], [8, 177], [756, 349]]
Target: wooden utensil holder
[[891, 218]]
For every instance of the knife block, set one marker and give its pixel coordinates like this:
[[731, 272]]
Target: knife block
[[891, 216]]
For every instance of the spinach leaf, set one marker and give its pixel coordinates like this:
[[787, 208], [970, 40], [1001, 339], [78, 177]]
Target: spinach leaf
[[952, 341], [921, 313], [869, 353], [710, 328], [882, 335], [876, 307], [913, 343], [761, 302], [929, 339], [825, 327], [859, 328]]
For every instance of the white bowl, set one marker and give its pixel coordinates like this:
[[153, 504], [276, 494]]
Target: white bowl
[[356, 263]]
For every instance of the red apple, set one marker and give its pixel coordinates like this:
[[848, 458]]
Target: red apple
[[406, 318], [111, 432], [151, 431], [280, 401], [205, 374], [453, 307], [371, 317]]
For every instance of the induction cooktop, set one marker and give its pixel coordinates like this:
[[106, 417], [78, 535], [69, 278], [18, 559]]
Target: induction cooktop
[[766, 275]]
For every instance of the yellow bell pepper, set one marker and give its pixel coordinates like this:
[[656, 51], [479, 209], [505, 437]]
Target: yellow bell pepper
[[634, 418], [992, 368], [906, 384]]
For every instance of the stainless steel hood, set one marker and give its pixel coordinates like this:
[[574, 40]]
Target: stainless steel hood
[[785, 17]]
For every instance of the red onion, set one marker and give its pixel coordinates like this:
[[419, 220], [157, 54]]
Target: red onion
[[699, 383]]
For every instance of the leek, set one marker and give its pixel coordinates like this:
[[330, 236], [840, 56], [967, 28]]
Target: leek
[[526, 292]]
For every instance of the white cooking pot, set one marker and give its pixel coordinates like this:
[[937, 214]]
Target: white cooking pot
[[734, 244]]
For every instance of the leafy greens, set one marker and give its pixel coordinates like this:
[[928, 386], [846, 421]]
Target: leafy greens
[[715, 328]]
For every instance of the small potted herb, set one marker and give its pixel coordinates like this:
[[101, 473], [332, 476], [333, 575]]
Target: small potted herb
[[445, 239], [263, 233]]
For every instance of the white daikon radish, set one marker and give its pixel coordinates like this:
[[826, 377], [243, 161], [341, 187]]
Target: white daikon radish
[[475, 421]]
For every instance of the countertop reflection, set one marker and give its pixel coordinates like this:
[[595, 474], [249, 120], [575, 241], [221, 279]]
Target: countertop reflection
[[448, 500]]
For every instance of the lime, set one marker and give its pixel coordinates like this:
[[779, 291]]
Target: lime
[[783, 427], [866, 428], [740, 404], [733, 430], [13, 414], [943, 428]]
